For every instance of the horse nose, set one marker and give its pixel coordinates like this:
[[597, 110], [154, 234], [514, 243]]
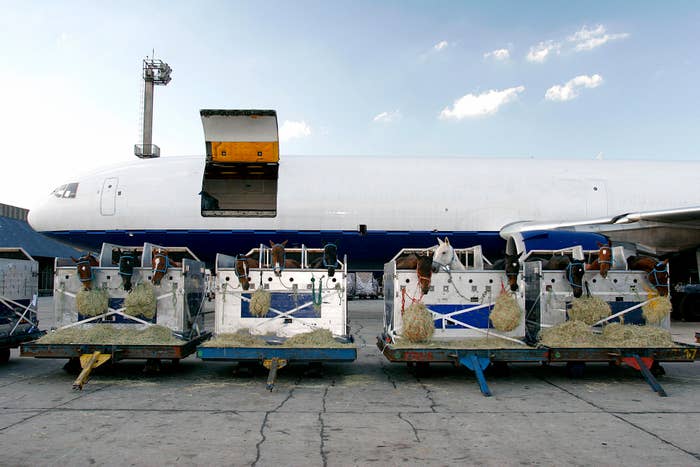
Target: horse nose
[[514, 287], [578, 292]]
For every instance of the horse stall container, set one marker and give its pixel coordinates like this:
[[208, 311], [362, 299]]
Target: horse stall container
[[178, 307], [298, 300], [460, 302], [549, 293], [18, 295]]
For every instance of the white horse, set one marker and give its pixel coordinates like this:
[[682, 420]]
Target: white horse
[[445, 258]]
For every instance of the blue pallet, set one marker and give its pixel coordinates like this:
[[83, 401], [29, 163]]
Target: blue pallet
[[345, 354]]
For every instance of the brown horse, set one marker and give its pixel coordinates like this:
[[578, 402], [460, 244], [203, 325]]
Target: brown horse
[[242, 268], [511, 265], [160, 262], [424, 271], [279, 259], [574, 271], [657, 271], [603, 262], [84, 265]]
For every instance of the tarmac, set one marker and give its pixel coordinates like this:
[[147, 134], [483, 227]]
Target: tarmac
[[367, 412]]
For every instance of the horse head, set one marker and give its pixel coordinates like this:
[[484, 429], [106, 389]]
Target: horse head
[[330, 258], [657, 271], [128, 260], [603, 262], [574, 274], [241, 269], [512, 267], [160, 264], [84, 266], [279, 257], [424, 271], [445, 257]]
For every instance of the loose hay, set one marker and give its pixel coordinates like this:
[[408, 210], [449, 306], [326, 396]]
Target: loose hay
[[109, 334], [92, 302], [418, 325], [315, 338], [506, 313], [590, 310], [629, 335], [568, 334], [657, 309], [240, 338], [141, 301], [260, 303]]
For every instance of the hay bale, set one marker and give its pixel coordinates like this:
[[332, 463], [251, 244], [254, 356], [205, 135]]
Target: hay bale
[[630, 335], [657, 309], [240, 338], [418, 324], [92, 302], [109, 334], [141, 301], [590, 310], [506, 313], [260, 303], [568, 334]]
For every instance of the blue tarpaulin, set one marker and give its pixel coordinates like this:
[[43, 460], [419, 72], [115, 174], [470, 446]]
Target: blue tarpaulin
[[17, 233]]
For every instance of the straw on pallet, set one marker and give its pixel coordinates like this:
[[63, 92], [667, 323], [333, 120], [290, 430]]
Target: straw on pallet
[[109, 334]]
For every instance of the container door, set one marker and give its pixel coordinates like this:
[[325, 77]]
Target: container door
[[108, 197]]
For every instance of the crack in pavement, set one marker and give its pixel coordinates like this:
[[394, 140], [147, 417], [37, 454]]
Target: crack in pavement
[[415, 430], [622, 419], [264, 423], [324, 456], [428, 395]]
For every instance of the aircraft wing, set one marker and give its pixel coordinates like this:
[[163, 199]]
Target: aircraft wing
[[655, 232]]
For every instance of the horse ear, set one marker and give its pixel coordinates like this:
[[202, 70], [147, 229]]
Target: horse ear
[[74, 260], [447, 241], [272, 243], [601, 245], [666, 261], [440, 242], [284, 243]]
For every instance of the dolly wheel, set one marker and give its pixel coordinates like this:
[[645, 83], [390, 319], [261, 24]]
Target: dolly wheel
[[4, 355], [656, 369], [575, 370], [72, 366]]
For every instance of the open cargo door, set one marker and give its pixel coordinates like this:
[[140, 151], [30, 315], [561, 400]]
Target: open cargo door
[[241, 170]]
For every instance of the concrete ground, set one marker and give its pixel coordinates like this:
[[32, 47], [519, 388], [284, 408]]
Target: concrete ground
[[367, 412]]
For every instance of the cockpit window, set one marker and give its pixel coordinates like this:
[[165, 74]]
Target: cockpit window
[[66, 191]]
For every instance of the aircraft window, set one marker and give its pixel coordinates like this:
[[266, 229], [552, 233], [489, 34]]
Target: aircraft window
[[66, 191]]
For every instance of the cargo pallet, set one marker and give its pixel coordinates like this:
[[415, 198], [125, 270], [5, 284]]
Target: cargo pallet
[[90, 356], [644, 360], [274, 358]]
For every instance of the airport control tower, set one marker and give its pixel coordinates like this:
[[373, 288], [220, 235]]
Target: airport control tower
[[154, 72]]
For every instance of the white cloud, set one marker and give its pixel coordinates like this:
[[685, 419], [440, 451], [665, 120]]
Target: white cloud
[[479, 105], [569, 90], [387, 117], [498, 54], [441, 46], [588, 39], [540, 52], [293, 130]]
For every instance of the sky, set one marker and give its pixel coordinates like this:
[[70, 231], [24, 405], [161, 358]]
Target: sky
[[581, 80]]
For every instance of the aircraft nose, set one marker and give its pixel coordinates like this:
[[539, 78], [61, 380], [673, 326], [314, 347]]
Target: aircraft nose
[[37, 218]]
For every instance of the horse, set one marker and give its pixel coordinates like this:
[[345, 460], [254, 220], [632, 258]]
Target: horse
[[424, 271], [127, 261], [603, 262], [574, 271], [241, 269], [160, 262], [279, 259], [511, 265], [84, 265], [657, 271], [445, 258], [329, 259]]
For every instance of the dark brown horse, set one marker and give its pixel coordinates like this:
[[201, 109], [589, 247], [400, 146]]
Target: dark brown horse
[[424, 271], [279, 260], [603, 262], [84, 265], [574, 271], [657, 271], [511, 265], [127, 261], [160, 262], [329, 259]]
